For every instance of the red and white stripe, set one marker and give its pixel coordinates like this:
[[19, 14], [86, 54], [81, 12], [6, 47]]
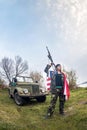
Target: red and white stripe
[[66, 88], [48, 83], [49, 78]]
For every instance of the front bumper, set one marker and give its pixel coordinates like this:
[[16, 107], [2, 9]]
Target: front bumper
[[32, 95]]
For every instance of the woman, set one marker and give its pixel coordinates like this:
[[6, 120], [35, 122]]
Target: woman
[[60, 89]]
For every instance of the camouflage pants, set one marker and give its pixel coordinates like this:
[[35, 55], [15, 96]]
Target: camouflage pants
[[53, 103]]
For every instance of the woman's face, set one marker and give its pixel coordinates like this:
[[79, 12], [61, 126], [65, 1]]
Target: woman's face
[[59, 68]]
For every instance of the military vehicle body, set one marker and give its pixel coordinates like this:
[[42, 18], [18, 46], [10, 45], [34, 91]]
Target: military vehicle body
[[23, 91]]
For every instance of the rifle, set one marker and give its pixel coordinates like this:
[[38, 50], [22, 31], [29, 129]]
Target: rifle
[[49, 55], [51, 60]]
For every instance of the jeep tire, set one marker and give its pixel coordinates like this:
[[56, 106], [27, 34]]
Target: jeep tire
[[41, 99], [18, 100]]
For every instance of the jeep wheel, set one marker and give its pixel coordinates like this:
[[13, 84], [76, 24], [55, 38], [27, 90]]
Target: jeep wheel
[[10, 96], [41, 99], [18, 100]]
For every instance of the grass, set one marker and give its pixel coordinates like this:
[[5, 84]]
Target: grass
[[30, 117]]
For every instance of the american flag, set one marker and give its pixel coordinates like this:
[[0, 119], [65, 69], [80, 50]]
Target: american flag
[[49, 77], [66, 88]]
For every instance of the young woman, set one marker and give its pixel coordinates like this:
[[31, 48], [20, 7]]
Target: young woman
[[59, 88]]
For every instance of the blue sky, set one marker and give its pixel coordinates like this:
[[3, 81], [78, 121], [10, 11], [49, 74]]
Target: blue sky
[[27, 26]]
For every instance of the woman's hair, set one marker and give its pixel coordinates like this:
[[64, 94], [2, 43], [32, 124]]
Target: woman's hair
[[58, 65]]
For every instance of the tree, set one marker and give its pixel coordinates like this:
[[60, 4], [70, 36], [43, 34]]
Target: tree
[[36, 76], [2, 84], [10, 68], [72, 78], [20, 66], [7, 68]]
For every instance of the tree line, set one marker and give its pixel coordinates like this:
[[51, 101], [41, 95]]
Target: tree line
[[10, 68]]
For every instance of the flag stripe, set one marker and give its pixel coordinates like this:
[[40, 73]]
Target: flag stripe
[[49, 79]]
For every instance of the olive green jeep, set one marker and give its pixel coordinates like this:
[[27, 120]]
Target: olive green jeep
[[23, 89]]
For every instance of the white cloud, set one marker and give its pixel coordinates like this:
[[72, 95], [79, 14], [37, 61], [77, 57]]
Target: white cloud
[[69, 17]]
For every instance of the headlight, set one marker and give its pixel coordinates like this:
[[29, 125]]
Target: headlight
[[25, 91]]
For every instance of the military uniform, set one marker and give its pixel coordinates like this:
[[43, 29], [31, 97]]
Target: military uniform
[[57, 89]]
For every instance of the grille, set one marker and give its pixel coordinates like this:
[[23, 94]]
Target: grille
[[35, 89]]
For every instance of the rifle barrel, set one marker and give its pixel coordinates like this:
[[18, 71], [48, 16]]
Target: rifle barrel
[[49, 55]]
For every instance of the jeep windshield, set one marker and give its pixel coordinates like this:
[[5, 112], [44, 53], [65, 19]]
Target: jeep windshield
[[24, 79]]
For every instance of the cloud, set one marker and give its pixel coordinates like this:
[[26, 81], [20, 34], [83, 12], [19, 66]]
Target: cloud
[[68, 18]]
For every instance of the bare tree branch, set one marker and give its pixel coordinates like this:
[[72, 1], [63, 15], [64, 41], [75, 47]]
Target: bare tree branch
[[36, 76], [72, 78], [10, 68], [7, 69], [20, 66]]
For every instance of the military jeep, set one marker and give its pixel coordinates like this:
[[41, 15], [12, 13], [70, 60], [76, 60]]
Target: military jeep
[[23, 89]]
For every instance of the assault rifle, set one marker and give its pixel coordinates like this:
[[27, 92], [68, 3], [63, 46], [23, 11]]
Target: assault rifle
[[51, 60]]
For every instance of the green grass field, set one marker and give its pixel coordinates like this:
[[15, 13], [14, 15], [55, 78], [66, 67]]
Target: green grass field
[[31, 116]]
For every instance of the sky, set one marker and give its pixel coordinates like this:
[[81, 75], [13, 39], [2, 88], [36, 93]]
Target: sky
[[28, 26]]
